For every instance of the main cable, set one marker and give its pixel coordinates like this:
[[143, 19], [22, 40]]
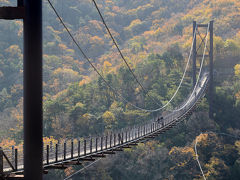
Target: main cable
[[121, 54], [113, 90], [86, 57], [85, 167], [199, 74], [195, 147], [196, 153]]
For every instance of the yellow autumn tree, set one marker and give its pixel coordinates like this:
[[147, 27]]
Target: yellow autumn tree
[[7, 143], [107, 66], [109, 119], [237, 70], [64, 76], [49, 140]]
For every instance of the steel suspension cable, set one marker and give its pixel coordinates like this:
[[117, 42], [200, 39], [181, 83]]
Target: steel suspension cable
[[114, 90], [195, 148], [92, 65], [199, 74], [196, 153], [184, 73], [121, 54], [85, 167], [180, 84]]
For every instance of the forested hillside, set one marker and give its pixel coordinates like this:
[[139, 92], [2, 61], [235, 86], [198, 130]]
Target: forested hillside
[[155, 37]]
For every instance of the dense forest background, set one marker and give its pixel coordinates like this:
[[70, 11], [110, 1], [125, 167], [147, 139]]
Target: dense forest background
[[155, 37]]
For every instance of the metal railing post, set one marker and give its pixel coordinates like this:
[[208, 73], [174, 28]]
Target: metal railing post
[[114, 139], [72, 149], [119, 138], [1, 162], [64, 151], [132, 131], [85, 147], [16, 159], [47, 154], [126, 136], [106, 142], [122, 138], [110, 140], [56, 153], [90, 145], [79, 148], [138, 132], [13, 154], [96, 144]]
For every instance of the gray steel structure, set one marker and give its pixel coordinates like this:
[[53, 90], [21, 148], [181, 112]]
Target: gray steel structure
[[31, 13], [33, 118], [211, 80], [210, 55]]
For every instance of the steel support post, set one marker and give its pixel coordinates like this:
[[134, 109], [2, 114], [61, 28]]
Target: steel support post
[[96, 144], [122, 138], [114, 141], [47, 154], [90, 146], [110, 140], [64, 150], [33, 144], [79, 148], [211, 84], [56, 152], [126, 136], [106, 142], [1, 162], [16, 159], [72, 148], [85, 147], [194, 54], [13, 156]]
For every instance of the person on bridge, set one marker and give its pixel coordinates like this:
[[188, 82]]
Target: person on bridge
[[120, 138], [160, 120]]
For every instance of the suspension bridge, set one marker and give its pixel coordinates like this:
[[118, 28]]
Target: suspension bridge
[[29, 164], [60, 156]]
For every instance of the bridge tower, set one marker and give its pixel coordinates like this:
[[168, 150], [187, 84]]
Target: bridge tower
[[196, 33], [30, 11]]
